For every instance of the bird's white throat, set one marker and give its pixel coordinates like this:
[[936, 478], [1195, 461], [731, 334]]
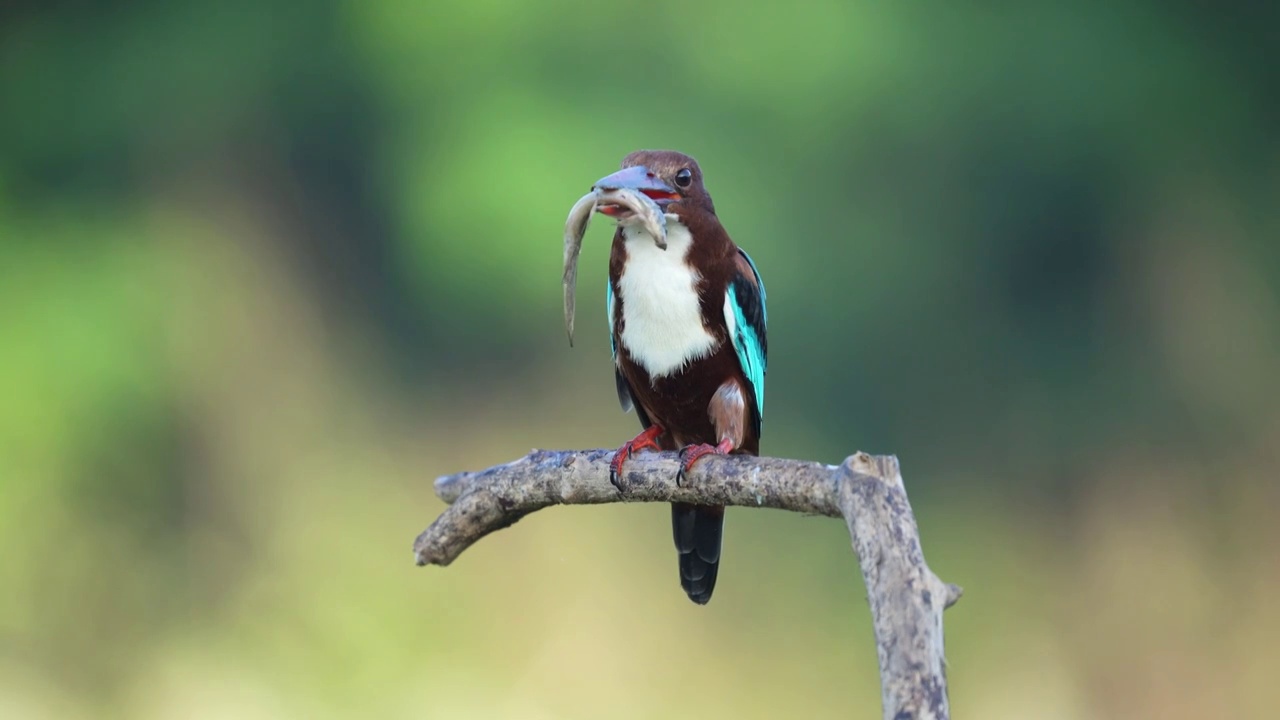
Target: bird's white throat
[[662, 317]]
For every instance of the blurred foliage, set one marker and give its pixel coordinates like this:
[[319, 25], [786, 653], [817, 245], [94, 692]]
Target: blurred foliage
[[266, 268]]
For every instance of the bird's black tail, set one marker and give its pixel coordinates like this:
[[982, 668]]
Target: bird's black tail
[[697, 530]]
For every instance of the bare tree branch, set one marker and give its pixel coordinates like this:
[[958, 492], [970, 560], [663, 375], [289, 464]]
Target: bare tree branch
[[906, 598]]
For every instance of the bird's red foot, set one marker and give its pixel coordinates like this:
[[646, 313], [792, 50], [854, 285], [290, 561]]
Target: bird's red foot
[[691, 454], [644, 440]]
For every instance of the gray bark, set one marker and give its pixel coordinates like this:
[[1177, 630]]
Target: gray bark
[[906, 598]]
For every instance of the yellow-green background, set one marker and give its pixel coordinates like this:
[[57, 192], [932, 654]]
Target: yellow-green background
[[269, 268]]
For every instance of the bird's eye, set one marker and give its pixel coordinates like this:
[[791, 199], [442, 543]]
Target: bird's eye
[[684, 177]]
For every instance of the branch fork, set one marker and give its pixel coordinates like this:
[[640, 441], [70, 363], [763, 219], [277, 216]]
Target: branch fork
[[905, 596]]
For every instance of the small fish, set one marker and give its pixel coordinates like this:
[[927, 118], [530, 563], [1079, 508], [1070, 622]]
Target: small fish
[[626, 205], [575, 228], [641, 207]]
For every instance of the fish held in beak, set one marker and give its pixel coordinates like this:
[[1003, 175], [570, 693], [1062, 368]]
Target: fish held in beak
[[575, 228], [627, 206]]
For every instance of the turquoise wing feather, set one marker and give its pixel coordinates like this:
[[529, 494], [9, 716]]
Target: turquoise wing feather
[[608, 311], [747, 319]]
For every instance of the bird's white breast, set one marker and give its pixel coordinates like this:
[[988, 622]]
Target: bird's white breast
[[662, 317]]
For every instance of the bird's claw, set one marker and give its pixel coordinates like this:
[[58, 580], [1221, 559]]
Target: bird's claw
[[644, 440], [690, 454], [615, 466]]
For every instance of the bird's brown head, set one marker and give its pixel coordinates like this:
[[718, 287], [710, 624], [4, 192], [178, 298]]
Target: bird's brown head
[[671, 179]]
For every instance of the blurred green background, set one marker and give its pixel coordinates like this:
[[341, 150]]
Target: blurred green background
[[269, 268]]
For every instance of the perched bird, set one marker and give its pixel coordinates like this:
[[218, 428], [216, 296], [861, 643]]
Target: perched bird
[[688, 338]]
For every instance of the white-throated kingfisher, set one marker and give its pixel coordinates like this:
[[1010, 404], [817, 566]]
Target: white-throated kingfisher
[[688, 338]]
